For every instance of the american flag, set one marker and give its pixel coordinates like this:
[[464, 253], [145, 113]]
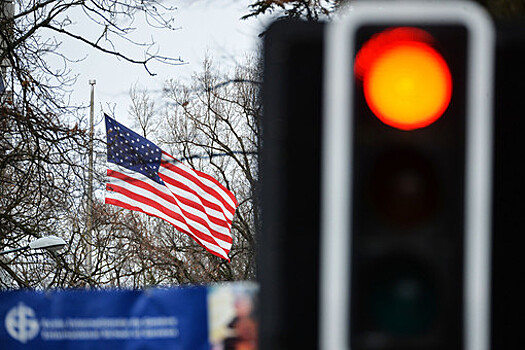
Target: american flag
[[144, 178]]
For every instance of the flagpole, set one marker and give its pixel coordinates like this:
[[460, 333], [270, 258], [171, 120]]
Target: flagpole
[[89, 228]]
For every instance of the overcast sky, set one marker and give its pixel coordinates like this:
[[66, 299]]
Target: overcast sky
[[206, 26]]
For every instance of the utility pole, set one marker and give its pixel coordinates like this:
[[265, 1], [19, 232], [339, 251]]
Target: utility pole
[[89, 228], [7, 10]]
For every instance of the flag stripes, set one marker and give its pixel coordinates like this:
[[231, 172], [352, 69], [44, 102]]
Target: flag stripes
[[211, 194], [138, 192]]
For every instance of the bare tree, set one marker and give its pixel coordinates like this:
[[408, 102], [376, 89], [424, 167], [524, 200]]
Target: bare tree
[[314, 10], [42, 137], [311, 10], [142, 111], [211, 125]]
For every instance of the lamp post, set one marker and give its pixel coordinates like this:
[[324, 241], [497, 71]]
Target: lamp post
[[89, 224], [50, 243]]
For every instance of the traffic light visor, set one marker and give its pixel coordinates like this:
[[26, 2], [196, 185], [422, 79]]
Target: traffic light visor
[[406, 82]]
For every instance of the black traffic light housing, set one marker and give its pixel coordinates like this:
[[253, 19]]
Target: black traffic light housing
[[290, 170], [290, 163]]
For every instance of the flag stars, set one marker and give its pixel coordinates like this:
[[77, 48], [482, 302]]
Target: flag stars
[[133, 152]]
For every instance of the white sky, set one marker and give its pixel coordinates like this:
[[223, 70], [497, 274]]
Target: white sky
[[206, 26]]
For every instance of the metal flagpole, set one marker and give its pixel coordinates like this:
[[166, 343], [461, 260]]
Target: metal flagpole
[[89, 228]]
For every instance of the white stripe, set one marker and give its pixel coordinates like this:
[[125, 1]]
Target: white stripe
[[194, 198], [205, 181], [198, 213], [207, 210], [227, 214], [219, 190]]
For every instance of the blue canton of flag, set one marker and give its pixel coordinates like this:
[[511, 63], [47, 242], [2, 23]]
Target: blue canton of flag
[[132, 151]]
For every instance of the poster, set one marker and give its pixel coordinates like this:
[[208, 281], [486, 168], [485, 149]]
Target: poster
[[215, 317]]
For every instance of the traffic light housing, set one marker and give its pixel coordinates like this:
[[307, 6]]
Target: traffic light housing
[[305, 267], [405, 214], [289, 188]]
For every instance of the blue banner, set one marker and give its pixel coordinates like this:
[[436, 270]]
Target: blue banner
[[174, 318]]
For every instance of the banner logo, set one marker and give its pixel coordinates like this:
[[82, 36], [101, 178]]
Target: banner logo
[[21, 323]]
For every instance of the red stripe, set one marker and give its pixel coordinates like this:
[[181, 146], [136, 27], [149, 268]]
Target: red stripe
[[196, 205], [139, 183], [197, 218], [147, 201], [199, 207], [185, 214], [124, 205], [226, 191], [198, 182], [206, 176]]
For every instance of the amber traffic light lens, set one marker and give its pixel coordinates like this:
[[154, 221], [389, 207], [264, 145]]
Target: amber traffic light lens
[[404, 188], [407, 83]]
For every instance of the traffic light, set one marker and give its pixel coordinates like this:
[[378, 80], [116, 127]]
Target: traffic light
[[405, 214], [289, 188]]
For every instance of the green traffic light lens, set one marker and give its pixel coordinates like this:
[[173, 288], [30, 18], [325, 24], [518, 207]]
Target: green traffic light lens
[[403, 299]]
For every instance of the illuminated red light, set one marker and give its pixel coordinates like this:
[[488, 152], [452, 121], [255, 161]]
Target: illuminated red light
[[407, 83]]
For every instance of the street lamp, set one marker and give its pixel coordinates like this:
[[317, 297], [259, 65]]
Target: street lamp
[[50, 243]]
